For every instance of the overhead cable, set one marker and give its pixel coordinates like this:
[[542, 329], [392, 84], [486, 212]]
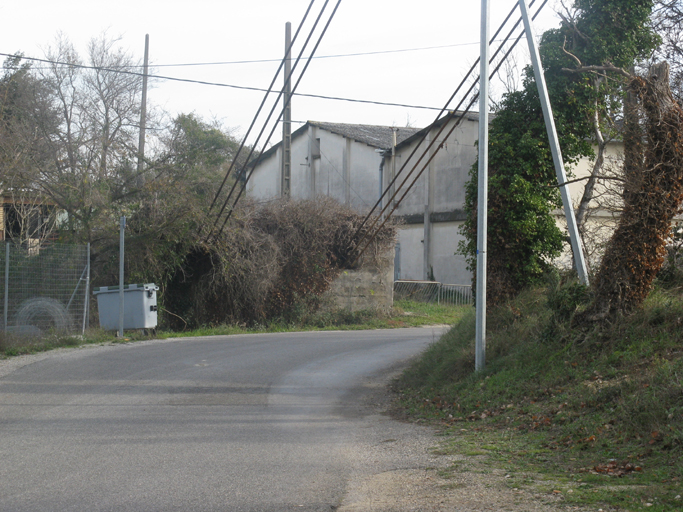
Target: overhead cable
[[265, 123], [455, 125], [258, 111], [220, 84], [315, 48]]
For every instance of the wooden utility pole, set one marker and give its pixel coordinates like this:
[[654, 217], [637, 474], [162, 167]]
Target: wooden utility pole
[[143, 108], [286, 189]]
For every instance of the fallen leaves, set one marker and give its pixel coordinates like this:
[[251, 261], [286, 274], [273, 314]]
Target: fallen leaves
[[613, 468]]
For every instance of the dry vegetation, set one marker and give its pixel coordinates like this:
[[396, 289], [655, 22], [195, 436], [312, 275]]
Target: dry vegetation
[[272, 260], [652, 196]]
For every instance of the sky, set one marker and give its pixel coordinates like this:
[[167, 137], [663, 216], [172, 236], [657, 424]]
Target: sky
[[212, 35]]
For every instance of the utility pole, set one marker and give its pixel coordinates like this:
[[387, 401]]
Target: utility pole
[[286, 187], [574, 235], [482, 191], [122, 229], [143, 109]]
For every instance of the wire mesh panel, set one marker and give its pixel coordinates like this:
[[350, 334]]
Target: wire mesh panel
[[432, 291], [43, 288]]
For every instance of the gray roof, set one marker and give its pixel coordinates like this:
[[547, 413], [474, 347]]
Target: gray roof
[[418, 134], [376, 136]]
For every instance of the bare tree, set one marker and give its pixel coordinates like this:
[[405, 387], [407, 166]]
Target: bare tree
[[95, 145]]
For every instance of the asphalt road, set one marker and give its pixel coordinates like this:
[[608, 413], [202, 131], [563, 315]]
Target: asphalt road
[[230, 423]]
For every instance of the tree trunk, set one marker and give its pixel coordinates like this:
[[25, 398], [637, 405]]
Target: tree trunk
[[652, 197]]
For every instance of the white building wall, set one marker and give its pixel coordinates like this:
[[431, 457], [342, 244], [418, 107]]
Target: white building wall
[[448, 266], [442, 188], [450, 170], [264, 183], [347, 171], [411, 260]]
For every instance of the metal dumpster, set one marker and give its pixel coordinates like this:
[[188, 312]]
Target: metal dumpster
[[139, 306]]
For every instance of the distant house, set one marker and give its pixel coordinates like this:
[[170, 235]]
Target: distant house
[[354, 163], [343, 161], [349, 162]]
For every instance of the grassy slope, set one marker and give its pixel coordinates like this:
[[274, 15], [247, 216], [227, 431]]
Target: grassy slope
[[594, 414]]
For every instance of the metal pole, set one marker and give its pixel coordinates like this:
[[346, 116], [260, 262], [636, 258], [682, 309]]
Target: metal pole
[[122, 228], [86, 309], [482, 191], [143, 108], [574, 235], [287, 117], [6, 283]]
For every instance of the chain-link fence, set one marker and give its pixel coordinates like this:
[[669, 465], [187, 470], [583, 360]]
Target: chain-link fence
[[44, 289], [432, 291]]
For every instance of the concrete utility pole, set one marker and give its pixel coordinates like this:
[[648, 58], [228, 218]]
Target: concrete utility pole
[[286, 189], [122, 229], [143, 108], [482, 191], [574, 235]]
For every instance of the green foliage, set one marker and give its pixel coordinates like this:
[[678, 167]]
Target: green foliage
[[522, 234], [614, 31]]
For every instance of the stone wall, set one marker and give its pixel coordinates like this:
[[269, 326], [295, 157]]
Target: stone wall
[[371, 286]]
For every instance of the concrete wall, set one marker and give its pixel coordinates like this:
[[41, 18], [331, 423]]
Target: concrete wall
[[264, 183], [430, 249], [442, 184], [447, 266]]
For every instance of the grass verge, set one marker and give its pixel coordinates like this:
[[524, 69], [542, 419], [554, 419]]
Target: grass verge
[[590, 413], [404, 314]]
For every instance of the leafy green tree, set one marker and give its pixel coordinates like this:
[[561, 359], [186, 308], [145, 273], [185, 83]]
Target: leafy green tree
[[523, 236]]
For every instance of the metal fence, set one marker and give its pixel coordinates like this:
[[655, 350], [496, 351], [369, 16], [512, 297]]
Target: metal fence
[[44, 289], [432, 291]]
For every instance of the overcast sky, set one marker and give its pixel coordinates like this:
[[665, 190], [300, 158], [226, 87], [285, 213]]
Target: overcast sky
[[212, 31]]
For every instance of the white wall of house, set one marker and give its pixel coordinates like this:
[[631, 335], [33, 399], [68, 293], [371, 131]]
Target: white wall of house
[[264, 183], [347, 170], [442, 183], [440, 191], [446, 265]]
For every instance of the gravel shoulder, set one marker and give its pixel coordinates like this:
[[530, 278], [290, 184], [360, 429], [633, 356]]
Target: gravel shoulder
[[399, 468]]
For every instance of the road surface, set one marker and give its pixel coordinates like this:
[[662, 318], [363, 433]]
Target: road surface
[[262, 423]]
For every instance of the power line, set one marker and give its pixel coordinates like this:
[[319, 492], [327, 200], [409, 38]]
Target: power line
[[272, 110], [296, 85], [455, 125], [219, 84], [335, 56], [258, 112]]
